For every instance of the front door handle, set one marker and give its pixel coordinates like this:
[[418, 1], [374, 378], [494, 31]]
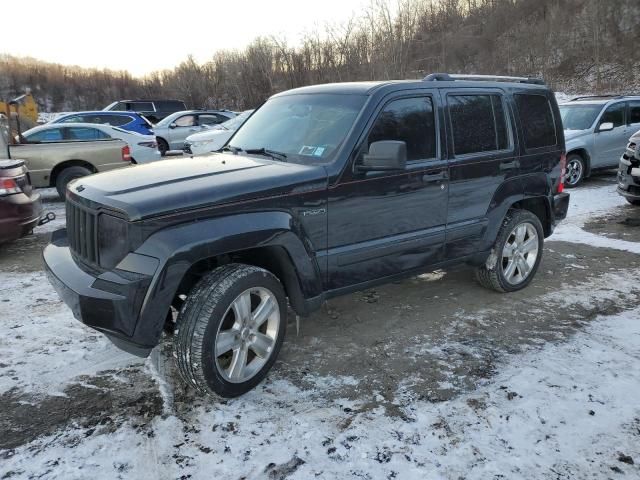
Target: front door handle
[[434, 176]]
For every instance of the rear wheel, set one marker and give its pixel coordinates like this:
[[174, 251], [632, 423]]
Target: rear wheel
[[68, 174], [516, 254], [163, 146], [574, 171], [230, 330]]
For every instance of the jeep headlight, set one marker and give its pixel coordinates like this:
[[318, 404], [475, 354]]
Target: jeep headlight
[[113, 240]]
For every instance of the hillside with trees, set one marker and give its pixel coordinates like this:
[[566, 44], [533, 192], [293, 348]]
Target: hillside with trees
[[575, 45]]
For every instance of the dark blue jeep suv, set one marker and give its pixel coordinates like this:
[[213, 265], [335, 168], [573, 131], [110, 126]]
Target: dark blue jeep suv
[[325, 190]]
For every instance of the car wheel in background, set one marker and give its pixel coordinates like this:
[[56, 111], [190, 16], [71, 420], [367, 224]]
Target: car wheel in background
[[574, 171], [633, 202], [515, 255], [230, 330], [163, 146], [68, 174]]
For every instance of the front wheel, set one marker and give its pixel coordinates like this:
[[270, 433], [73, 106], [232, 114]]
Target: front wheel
[[516, 254], [68, 174], [575, 171], [230, 330], [163, 146]]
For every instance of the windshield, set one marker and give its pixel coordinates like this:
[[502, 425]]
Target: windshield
[[579, 117], [307, 128]]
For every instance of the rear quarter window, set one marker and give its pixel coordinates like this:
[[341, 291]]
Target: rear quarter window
[[536, 117]]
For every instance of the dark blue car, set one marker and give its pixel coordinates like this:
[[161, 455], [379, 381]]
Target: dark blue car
[[131, 121]]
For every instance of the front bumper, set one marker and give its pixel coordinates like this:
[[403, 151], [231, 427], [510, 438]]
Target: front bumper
[[109, 301], [629, 178]]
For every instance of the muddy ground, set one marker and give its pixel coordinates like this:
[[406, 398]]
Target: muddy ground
[[381, 338]]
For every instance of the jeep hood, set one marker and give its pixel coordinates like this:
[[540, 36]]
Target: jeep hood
[[170, 186]]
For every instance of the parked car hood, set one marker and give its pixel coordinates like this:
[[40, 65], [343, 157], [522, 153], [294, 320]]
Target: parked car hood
[[207, 135], [571, 134], [169, 186]]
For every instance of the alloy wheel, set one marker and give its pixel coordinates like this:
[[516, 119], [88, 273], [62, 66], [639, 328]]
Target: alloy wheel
[[520, 253], [247, 335]]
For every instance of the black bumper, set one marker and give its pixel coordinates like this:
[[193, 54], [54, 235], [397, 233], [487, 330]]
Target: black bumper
[[109, 302], [560, 206]]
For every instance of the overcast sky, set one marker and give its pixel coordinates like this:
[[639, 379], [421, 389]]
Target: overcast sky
[[142, 36]]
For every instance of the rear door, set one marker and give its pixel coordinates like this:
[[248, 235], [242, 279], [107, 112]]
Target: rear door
[[609, 145], [482, 158]]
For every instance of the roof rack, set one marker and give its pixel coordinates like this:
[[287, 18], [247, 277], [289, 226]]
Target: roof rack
[[596, 97], [446, 77]]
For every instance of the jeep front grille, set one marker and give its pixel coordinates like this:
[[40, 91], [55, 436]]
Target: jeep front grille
[[82, 232]]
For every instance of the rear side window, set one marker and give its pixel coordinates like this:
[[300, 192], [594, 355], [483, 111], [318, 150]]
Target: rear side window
[[410, 120], [536, 117], [211, 119], [186, 121], [634, 112], [170, 105], [74, 119], [116, 120], [478, 123], [85, 133], [141, 106]]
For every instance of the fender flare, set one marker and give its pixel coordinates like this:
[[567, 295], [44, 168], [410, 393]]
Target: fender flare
[[178, 248]]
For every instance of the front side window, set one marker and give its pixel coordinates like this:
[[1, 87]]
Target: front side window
[[44, 136], [614, 114], [634, 112], [186, 121], [478, 123], [410, 120], [537, 121], [579, 117], [308, 128]]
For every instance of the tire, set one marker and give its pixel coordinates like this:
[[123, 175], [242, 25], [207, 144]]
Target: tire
[[633, 202], [503, 272], [214, 307], [575, 170], [68, 174], [163, 146]]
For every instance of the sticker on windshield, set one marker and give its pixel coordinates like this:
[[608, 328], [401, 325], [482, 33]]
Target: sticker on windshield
[[319, 151], [307, 150]]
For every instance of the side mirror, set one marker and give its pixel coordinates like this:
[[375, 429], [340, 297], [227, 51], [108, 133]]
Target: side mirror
[[385, 155], [605, 127], [172, 125]]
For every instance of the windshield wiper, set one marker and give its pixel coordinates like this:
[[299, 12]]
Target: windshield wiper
[[231, 148], [269, 153]]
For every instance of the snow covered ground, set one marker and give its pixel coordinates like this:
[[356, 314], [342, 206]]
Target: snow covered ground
[[562, 405]]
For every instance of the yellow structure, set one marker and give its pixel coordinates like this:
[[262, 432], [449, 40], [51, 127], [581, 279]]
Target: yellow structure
[[26, 107]]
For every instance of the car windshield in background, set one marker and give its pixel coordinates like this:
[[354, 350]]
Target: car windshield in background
[[579, 117], [307, 128]]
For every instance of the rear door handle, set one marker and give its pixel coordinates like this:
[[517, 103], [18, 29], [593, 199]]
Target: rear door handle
[[434, 176], [509, 165]]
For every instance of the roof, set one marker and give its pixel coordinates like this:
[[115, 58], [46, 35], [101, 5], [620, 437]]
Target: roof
[[368, 88]]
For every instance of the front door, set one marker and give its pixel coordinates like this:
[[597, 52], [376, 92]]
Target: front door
[[184, 126], [609, 145], [384, 223]]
